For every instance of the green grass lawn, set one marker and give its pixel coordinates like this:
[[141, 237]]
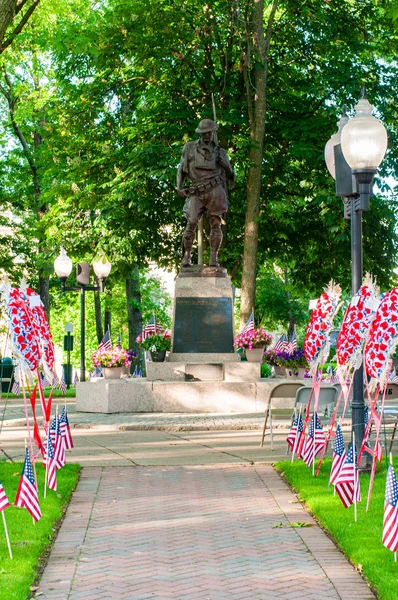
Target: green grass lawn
[[360, 541], [71, 393], [29, 542]]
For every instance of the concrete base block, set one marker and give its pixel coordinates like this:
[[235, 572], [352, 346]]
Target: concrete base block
[[242, 371], [114, 396], [205, 357], [204, 396], [165, 371], [140, 395]]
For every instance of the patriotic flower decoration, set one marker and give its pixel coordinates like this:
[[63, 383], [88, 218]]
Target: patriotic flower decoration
[[316, 343], [155, 342], [43, 328], [382, 339], [358, 317], [254, 337], [23, 332], [113, 357]]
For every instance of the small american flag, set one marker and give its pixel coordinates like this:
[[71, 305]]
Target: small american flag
[[249, 324], [106, 342], [27, 492], [318, 439], [75, 379], [390, 522], [3, 498], [348, 479], [151, 328], [339, 455], [44, 380], [53, 430], [65, 429], [50, 466], [291, 345], [62, 385], [295, 432], [16, 388], [59, 452], [55, 381], [281, 344]]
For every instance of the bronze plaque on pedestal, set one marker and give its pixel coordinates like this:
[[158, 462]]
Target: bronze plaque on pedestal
[[203, 325]]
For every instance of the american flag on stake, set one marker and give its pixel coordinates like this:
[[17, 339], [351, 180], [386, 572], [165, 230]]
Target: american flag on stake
[[339, 455], [390, 523], [75, 379], [59, 451], [16, 388], [3, 498], [55, 381], [291, 345], [348, 479], [62, 385], [281, 344], [50, 466], [3, 505], [106, 342], [293, 439], [27, 492], [65, 429], [249, 324], [151, 328], [310, 452]]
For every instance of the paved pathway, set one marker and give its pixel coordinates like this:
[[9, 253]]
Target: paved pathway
[[192, 533]]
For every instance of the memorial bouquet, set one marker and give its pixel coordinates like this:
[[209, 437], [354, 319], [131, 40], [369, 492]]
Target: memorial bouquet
[[252, 339], [113, 357], [156, 342]]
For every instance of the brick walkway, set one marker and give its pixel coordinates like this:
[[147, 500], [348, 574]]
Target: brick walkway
[[192, 533]]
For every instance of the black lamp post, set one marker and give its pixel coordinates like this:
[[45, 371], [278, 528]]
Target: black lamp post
[[63, 268], [352, 156]]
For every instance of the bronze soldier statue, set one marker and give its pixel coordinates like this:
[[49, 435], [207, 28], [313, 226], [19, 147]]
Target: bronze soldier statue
[[207, 167]]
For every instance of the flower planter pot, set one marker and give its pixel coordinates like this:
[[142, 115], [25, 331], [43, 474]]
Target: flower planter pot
[[158, 356], [255, 354], [112, 372], [290, 372], [280, 371]]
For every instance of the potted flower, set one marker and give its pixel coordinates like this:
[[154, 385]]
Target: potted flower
[[112, 361], [254, 342], [276, 360], [296, 364], [156, 344]]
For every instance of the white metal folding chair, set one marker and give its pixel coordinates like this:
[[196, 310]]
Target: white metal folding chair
[[281, 390]]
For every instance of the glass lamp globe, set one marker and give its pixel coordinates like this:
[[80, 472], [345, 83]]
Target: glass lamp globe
[[364, 139], [334, 140], [63, 265], [102, 267]]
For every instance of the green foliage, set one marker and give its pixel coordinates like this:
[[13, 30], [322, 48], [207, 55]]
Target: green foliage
[[361, 541], [30, 542]]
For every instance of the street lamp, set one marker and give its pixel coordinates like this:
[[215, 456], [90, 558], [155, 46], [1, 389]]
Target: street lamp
[[357, 148], [63, 268]]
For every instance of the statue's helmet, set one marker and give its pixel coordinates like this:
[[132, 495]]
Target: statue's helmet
[[206, 125]]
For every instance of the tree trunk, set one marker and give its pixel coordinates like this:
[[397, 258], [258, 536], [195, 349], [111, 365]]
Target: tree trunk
[[7, 11], [257, 114], [134, 314], [108, 322], [98, 317], [44, 292], [292, 320]]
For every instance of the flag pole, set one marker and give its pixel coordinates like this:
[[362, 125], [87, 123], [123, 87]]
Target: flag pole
[[313, 446], [355, 476], [6, 531], [46, 469], [297, 432]]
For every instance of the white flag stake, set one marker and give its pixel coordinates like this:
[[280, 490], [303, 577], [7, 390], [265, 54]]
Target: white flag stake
[[6, 530], [297, 433], [46, 469], [355, 477], [313, 447]]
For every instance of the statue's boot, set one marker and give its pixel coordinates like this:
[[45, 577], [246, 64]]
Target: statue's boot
[[215, 240], [187, 259]]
